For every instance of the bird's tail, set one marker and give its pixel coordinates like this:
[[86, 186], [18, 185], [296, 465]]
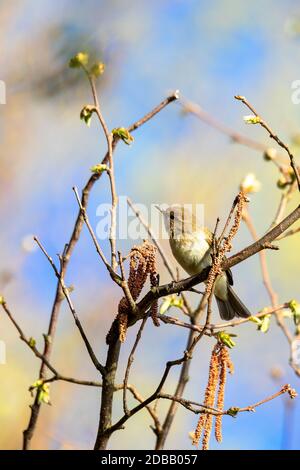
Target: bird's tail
[[232, 307]]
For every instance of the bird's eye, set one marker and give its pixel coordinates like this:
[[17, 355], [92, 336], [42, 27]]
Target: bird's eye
[[172, 215]]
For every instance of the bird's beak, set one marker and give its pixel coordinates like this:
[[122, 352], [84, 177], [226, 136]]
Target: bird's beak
[[158, 208]]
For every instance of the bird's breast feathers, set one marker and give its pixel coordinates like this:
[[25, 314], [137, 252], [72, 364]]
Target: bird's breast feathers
[[192, 251]]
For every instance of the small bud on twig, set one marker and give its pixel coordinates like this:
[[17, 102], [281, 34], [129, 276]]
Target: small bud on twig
[[86, 114], [79, 60], [252, 119], [123, 134], [97, 69], [99, 168]]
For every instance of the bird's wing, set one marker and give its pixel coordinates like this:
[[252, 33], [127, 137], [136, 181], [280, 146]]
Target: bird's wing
[[229, 277]]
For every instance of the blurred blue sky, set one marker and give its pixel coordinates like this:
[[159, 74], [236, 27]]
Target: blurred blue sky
[[210, 51]]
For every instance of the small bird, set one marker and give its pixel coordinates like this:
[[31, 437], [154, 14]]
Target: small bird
[[192, 248]]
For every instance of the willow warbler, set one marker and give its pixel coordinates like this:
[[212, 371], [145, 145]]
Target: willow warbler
[[192, 248]]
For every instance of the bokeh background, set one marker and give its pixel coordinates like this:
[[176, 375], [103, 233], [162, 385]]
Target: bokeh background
[[210, 51]]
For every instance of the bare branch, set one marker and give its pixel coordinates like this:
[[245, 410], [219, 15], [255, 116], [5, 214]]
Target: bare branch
[[272, 136]]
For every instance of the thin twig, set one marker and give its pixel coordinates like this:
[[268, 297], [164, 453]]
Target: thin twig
[[272, 136], [150, 409], [118, 425], [197, 111], [228, 220], [110, 171], [29, 341], [263, 260], [91, 383], [86, 220], [198, 408], [181, 384], [240, 321], [125, 286], [31, 344], [112, 273], [129, 363], [172, 97], [285, 389], [63, 378], [210, 328], [285, 197], [89, 348], [271, 292]]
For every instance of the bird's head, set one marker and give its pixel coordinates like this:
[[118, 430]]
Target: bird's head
[[178, 220]]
